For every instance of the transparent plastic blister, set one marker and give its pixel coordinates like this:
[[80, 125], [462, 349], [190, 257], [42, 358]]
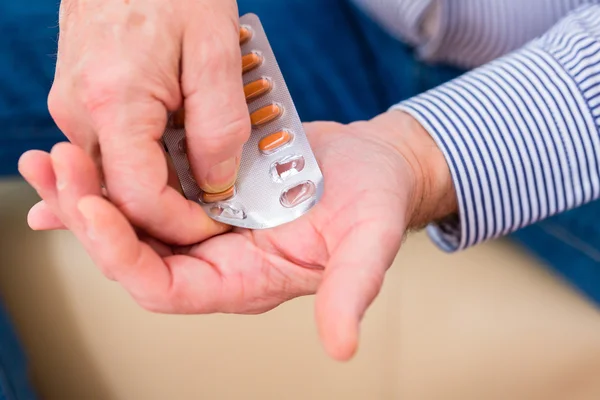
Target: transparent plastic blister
[[279, 179]]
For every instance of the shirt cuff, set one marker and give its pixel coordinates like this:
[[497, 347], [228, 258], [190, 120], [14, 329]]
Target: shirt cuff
[[520, 138]]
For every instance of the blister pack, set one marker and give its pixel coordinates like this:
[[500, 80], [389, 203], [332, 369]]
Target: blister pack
[[279, 179]]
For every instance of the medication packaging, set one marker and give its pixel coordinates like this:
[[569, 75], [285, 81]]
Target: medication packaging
[[279, 179]]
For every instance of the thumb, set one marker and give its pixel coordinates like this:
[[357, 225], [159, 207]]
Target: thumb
[[353, 279], [216, 117]]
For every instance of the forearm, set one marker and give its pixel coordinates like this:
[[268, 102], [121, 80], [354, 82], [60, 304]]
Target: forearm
[[520, 136], [468, 33]]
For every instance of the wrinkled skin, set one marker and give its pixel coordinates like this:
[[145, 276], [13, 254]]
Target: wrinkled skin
[[122, 66], [340, 250]]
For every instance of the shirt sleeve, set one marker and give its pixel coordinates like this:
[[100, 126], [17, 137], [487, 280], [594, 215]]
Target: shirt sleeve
[[521, 134], [468, 33], [404, 19]]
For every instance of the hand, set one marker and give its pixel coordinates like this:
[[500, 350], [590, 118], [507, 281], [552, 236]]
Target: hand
[[122, 65], [375, 187]]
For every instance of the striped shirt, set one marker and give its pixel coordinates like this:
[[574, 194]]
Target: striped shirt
[[521, 133]]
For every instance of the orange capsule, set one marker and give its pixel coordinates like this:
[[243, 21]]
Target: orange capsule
[[216, 197], [255, 89], [274, 141], [245, 35], [178, 119], [266, 114], [251, 61]]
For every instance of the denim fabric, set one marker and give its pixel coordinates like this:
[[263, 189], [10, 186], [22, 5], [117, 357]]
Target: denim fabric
[[570, 244], [14, 378], [339, 65], [28, 33]]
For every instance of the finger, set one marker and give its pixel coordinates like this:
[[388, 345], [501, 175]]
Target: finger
[[353, 279], [176, 284], [123, 104], [216, 118], [137, 176], [105, 233], [36, 167], [41, 217], [71, 118], [113, 245], [73, 165], [76, 176]]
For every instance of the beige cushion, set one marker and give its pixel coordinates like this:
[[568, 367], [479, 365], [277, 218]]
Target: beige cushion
[[486, 324]]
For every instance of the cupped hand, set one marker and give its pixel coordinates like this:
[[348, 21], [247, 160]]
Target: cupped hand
[[340, 250], [122, 66]]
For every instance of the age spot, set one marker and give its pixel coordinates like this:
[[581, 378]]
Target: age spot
[[136, 19]]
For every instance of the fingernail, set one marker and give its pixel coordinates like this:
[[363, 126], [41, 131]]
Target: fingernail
[[59, 172], [87, 212], [221, 177]]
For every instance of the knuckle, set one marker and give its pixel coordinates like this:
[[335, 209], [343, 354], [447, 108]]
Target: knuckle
[[54, 101], [101, 87], [99, 95], [57, 106]]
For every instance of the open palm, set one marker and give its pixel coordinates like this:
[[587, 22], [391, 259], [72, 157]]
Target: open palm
[[340, 249]]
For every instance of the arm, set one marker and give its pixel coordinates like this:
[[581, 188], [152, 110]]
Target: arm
[[381, 177], [520, 135], [468, 33]]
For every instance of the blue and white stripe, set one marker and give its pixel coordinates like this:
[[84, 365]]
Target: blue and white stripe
[[402, 18], [469, 33], [521, 134]]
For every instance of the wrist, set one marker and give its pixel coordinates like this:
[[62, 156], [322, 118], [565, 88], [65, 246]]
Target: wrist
[[433, 196]]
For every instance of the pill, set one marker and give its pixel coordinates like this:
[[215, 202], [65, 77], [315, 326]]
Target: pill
[[274, 141], [255, 89], [251, 61], [245, 34], [178, 119], [297, 194], [216, 197], [266, 114], [287, 167]]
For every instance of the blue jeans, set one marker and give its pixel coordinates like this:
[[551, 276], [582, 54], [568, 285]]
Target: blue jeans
[[14, 378], [339, 66]]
